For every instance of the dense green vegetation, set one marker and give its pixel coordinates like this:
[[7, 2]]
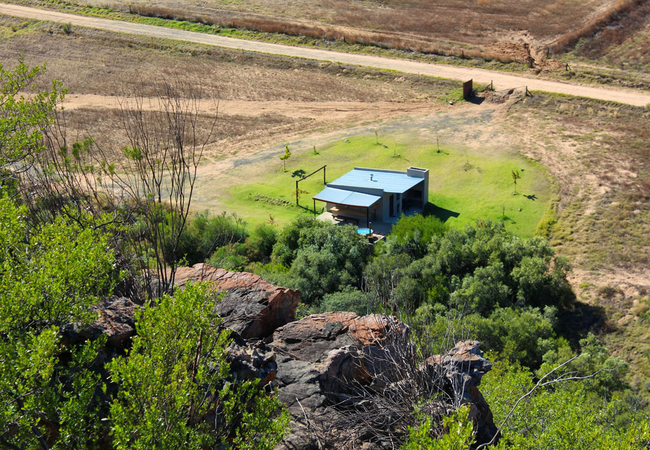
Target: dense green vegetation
[[180, 354], [587, 414], [57, 262], [480, 282]]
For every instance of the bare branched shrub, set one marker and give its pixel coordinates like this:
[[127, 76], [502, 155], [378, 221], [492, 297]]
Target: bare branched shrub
[[388, 388], [148, 184]]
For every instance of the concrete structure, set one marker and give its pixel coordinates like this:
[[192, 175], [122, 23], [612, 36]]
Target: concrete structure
[[366, 195]]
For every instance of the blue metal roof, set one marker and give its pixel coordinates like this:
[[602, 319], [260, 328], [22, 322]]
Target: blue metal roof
[[390, 182], [347, 198]]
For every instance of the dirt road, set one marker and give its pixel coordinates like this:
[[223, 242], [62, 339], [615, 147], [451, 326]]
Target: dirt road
[[501, 80], [322, 110]]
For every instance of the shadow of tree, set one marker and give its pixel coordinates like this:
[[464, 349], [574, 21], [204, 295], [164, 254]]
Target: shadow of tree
[[441, 213], [298, 173], [575, 323]]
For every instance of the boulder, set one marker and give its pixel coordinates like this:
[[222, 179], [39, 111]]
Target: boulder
[[464, 366], [116, 320], [250, 306], [352, 382]]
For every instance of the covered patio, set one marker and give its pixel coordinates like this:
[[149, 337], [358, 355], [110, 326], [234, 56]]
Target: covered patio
[[344, 205]]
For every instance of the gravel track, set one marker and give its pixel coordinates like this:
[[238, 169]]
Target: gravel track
[[501, 80]]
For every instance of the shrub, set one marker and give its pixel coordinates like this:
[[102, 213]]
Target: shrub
[[348, 300], [412, 235]]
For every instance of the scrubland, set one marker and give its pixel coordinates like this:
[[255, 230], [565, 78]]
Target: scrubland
[[596, 153]]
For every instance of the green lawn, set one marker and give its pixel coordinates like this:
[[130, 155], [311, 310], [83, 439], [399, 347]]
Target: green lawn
[[470, 184]]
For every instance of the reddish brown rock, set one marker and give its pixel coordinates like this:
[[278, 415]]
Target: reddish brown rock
[[351, 381], [222, 279], [250, 306], [464, 366]]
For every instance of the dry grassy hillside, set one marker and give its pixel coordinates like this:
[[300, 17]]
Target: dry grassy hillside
[[624, 42]]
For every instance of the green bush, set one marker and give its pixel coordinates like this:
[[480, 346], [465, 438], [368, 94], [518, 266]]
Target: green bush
[[561, 416], [51, 276], [412, 235], [348, 300], [176, 373], [474, 270], [259, 245], [204, 235], [322, 258]]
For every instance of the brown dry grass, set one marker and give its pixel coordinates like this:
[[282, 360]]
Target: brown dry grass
[[599, 154], [623, 41], [445, 27], [448, 20], [91, 62], [95, 62], [611, 27], [386, 39]]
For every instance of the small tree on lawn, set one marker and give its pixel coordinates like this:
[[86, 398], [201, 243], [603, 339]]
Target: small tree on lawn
[[283, 158], [515, 176]]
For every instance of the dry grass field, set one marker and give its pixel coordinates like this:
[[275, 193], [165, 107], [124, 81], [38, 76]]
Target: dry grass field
[[259, 96], [505, 30], [599, 155], [449, 20], [596, 153]]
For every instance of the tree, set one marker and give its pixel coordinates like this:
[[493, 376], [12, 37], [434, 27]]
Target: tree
[[176, 374], [558, 413], [285, 157], [323, 258], [515, 176], [412, 235], [149, 184]]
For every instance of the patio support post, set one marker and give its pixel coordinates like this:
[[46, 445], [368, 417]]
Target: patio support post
[[368, 217], [314, 206]]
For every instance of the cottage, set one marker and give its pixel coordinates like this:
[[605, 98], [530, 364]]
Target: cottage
[[376, 194]]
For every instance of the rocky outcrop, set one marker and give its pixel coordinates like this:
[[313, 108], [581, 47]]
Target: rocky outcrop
[[352, 382], [463, 366], [251, 307], [116, 321], [327, 364], [348, 381]]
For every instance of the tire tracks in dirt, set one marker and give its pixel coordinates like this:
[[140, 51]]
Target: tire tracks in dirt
[[318, 110]]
